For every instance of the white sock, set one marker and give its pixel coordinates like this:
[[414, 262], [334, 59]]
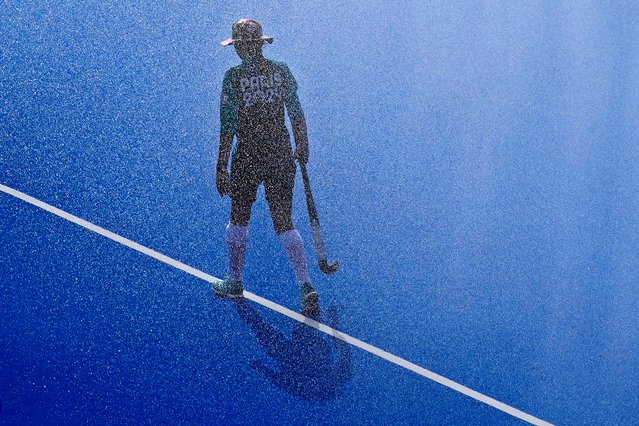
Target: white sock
[[294, 248], [236, 240]]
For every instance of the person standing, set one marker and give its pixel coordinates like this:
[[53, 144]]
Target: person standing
[[255, 96]]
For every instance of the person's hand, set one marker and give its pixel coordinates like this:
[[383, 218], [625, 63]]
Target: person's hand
[[301, 153], [222, 181]]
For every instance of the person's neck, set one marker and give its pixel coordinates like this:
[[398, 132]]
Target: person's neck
[[252, 57]]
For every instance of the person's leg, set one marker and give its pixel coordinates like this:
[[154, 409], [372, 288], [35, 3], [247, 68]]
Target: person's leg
[[281, 210], [244, 184], [294, 248], [236, 241], [279, 194], [243, 194]]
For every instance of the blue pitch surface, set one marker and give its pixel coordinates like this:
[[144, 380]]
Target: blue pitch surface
[[476, 173]]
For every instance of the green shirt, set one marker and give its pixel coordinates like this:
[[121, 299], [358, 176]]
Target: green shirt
[[255, 95]]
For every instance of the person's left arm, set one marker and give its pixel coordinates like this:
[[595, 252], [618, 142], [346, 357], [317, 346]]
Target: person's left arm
[[228, 129], [298, 121]]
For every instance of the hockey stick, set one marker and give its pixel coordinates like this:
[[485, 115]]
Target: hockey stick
[[327, 268]]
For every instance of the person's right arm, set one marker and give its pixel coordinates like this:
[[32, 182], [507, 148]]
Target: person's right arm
[[222, 180], [228, 129], [296, 115]]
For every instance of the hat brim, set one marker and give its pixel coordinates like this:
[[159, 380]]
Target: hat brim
[[230, 41]]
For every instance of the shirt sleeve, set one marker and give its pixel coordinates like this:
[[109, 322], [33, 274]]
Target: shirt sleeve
[[228, 106], [292, 101]]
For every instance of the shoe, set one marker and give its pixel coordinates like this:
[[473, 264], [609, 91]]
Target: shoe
[[228, 288], [309, 298]]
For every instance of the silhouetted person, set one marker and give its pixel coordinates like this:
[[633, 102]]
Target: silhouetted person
[[255, 96]]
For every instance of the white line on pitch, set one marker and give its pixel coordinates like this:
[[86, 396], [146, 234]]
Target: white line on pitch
[[281, 309]]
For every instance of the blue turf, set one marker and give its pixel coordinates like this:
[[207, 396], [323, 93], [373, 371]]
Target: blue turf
[[476, 174]]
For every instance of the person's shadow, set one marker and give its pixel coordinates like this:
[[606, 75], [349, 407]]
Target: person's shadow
[[310, 365]]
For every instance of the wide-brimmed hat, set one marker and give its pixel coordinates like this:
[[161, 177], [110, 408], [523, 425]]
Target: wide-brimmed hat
[[247, 30]]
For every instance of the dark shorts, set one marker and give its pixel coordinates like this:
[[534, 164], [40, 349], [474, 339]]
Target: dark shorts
[[277, 173]]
